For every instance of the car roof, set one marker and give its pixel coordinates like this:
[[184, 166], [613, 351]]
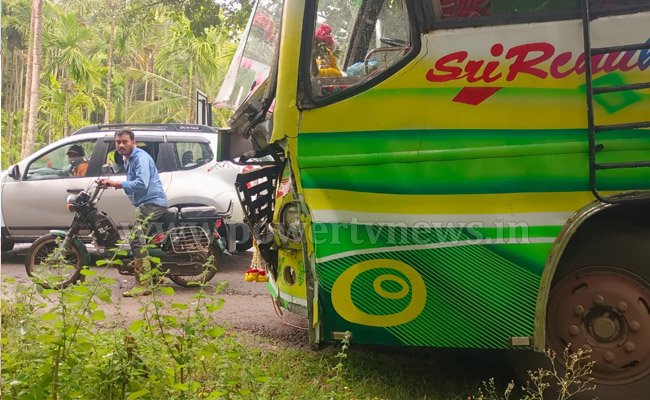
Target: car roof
[[170, 127], [99, 131]]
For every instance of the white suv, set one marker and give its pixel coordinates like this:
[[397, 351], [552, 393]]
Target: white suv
[[34, 190]]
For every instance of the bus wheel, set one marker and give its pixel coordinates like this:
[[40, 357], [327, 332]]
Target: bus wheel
[[606, 310], [603, 304]]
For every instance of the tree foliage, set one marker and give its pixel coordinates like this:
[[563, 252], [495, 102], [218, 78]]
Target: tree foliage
[[162, 51]]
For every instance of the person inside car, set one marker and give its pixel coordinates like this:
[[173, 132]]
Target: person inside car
[[145, 190], [78, 163]]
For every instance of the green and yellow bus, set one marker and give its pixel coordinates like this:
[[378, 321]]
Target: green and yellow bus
[[453, 173]]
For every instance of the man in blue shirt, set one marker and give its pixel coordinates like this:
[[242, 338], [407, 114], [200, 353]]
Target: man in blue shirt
[[145, 190]]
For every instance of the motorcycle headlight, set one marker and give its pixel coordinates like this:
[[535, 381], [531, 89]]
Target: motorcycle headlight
[[290, 220], [71, 201], [75, 200]]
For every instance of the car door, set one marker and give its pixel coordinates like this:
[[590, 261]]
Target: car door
[[115, 202], [35, 203]]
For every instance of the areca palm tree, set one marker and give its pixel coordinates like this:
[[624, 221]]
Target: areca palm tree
[[67, 38], [34, 87], [53, 104], [169, 105], [193, 61], [16, 17], [178, 57]]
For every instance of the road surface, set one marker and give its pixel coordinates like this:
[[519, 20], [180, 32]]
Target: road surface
[[247, 307]]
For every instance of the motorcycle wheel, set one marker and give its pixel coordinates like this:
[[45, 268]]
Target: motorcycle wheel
[[49, 273], [204, 277]]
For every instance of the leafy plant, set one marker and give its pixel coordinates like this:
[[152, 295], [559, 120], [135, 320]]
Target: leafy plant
[[53, 337], [564, 383]]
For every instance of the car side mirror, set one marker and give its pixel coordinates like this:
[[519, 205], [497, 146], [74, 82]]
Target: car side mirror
[[14, 172], [109, 169]]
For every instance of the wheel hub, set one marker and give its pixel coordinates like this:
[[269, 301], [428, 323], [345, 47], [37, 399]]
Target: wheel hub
[[604, 329], [607, 311]]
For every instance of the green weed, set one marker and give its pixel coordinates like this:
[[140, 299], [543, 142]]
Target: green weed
[[556, 383]]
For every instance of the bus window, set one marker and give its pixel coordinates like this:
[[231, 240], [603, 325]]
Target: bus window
[[252, 61], [461, 8], [481, 8], [355, 40], [445, 9]]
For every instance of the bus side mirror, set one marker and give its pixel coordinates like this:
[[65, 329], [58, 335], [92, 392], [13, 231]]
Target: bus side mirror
[[14, 172]]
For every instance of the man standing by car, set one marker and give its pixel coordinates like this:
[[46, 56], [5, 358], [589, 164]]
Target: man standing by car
[[145, 190]]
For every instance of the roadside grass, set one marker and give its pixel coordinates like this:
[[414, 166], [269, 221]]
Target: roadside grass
[[370, 372], [59, 344]]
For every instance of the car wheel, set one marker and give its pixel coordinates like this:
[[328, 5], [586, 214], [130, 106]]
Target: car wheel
[[7, 244]]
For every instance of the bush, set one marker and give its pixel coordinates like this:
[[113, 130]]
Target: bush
[[556, 383], [57, 345]]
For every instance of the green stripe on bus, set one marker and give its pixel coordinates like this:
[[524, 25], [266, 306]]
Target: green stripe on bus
[[540, 173]]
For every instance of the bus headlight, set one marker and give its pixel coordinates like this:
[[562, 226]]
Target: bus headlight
[[290, 220]]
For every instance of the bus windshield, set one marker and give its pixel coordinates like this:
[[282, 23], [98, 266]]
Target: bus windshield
[[254, 56]]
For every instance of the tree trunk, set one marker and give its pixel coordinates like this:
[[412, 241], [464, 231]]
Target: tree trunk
[[190, 92], [10, 128], [28, 81], [109, 74], [13, 85], [20, 69], [50, 128], [196, 87], [10, 87], [36, 70], [10, 103], [126, 99], [152, 68], [66, 109], [146, 81]]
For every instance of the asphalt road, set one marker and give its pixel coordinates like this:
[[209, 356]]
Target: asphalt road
[[247, 306]]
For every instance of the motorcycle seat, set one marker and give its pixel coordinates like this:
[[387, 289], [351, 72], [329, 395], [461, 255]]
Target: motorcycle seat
[[164, 222], [170, 215], [197, 213]]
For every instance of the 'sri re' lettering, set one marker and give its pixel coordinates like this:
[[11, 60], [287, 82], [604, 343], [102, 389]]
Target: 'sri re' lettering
[[531, 59]]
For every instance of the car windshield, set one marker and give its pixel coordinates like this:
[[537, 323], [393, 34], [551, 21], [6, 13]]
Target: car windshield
[[254, 56]]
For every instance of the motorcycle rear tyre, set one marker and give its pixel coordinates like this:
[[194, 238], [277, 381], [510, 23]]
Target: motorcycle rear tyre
[[41, 249], [205, 277]]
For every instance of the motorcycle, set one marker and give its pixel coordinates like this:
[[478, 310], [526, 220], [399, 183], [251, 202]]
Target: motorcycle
[[183, 239]]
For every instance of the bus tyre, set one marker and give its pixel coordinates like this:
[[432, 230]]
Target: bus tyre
[[602, 303], [50, 273]]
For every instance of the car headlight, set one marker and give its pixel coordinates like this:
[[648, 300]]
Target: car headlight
[[290, 220]]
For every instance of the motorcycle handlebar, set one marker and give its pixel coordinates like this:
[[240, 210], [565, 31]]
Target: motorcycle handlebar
[[96, 193], [99, 190]]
